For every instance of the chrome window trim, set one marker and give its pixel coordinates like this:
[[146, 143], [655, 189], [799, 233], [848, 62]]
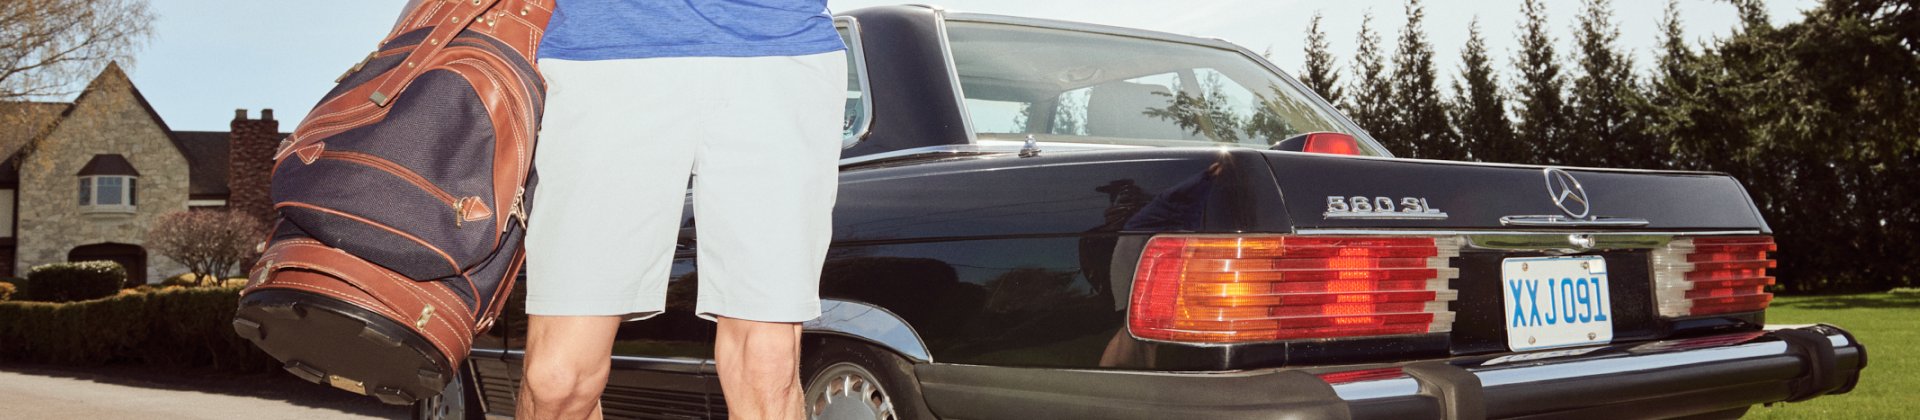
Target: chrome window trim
[[859, 53], [980, 147], [953, 71]]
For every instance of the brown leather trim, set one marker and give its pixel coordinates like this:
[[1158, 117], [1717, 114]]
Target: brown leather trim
[[447, 21], [310, 153], [382, 226], [510, 115], [472, 208], [449, 324], [500, 294]]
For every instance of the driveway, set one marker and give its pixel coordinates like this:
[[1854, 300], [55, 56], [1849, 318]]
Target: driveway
[[37, 392]]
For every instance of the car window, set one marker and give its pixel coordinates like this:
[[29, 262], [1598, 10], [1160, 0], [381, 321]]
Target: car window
[[1071, 86], [858, 107]]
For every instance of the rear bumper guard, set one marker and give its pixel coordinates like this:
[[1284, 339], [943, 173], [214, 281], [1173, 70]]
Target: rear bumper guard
[[1660, 379], [1672, 378]]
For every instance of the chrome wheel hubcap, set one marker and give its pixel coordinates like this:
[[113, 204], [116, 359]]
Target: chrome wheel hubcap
[[847, 391]]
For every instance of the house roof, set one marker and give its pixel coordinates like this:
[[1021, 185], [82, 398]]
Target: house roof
[[207, 156], [207, 152], [108, 164]]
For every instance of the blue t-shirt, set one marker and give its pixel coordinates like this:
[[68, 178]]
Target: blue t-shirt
[[618, 29]]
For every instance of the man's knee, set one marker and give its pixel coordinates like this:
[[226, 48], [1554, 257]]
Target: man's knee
[[565, 384]]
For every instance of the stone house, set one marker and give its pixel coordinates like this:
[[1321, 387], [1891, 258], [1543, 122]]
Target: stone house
[[85, 180]]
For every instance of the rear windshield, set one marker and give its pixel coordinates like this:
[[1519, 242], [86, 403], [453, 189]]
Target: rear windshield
[[1069, 86]]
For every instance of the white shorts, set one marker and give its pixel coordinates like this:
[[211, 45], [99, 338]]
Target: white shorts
[[618, 140]]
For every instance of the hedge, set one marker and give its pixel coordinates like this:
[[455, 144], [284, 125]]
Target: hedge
[[72, 281], [170, 326]]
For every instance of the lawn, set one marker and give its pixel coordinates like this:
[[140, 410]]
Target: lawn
[[1889, 324]]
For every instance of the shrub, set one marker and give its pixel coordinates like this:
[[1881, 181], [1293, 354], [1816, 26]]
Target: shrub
[[208, 242], [185, 279], [187, 327], [6, 292], [71, 281]]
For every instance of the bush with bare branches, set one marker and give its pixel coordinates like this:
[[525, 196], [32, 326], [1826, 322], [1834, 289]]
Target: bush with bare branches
[[211, 243]]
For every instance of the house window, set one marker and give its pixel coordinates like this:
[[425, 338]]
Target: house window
[[108, 184]]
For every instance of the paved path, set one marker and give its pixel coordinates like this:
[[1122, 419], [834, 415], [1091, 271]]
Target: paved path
[[100, 394]]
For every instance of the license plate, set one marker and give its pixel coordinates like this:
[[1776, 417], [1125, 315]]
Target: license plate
[[1556, 302]]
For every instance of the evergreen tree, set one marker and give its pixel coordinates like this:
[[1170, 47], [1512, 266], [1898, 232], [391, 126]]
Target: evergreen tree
[[1607, 130], [1370, 96], [1542, 120], [1479, 108], [1420, 114], [1816, 119], [1322, 73], [1674, 107]]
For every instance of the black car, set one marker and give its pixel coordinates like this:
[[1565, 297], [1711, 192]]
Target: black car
[[1043, 219]]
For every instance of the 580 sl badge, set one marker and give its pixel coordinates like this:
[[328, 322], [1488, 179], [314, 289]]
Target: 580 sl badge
[[1378, 208]]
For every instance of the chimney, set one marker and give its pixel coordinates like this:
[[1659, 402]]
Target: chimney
[[250, 162]]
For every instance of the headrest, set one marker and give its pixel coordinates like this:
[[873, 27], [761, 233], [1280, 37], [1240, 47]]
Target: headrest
[[1119, 109]]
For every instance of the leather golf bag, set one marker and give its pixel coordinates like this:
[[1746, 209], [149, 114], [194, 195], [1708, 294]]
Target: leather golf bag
[[401, 204]]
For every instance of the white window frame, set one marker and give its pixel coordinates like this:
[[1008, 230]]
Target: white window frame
[[127, 185]]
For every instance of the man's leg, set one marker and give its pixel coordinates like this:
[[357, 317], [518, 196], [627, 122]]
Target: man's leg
[[768, 178], [566, 366], [604, 220], [759, 365]]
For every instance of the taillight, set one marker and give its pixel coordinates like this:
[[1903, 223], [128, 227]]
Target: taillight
[[1713, 275], [1236, 289], [1320, 142], [1332, 143]]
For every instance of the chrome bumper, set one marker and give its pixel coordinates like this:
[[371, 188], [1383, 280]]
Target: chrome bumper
[[1653, 380]]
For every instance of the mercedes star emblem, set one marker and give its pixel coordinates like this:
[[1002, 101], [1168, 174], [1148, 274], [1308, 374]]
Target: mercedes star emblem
[[1567, 193]]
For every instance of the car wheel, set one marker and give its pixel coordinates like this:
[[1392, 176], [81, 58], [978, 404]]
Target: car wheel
[[455, 402], [849, 381]]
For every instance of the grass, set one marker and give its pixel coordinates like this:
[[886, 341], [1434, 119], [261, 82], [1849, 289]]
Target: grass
[[1889, 325]]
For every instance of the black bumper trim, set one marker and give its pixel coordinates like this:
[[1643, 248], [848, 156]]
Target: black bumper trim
[[1818, 352], [1458, 391], [986, 392]]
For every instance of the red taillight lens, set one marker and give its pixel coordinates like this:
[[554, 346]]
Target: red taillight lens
[[1713, 275], [1233, 289], [1362, 375], [1332, 143]]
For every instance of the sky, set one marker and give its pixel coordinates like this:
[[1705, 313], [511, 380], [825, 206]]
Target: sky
[[209, 57]]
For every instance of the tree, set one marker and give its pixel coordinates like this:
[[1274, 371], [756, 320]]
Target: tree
[[1673, 103], [1479, 108], [211, 243], [1542, 122], [1606, 129], [47, 47], [1816, 117], [1371, 101], [1420, 115], [1322, 73]]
